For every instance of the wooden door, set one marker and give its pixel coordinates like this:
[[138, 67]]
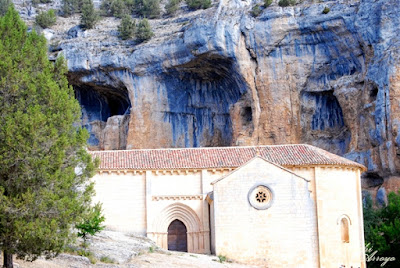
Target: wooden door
[[177, 237]]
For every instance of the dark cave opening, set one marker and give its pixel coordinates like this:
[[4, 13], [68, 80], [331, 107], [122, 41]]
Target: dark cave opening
[[200, 95], [323, 123], [100, 103], [327, 111], [246, 115], [373, 91]]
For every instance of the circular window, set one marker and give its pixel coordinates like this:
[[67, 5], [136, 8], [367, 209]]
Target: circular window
[[260, 197]]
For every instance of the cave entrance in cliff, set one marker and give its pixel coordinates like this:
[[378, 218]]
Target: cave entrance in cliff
[[201, 94], [323, 123], [99, 103]]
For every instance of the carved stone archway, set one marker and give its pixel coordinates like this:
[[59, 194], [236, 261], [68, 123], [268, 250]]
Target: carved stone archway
[[196, 236]]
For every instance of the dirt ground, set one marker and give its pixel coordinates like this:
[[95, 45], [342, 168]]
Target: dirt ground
[[112, 249]]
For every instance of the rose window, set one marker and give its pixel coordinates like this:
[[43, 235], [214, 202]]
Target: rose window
[[260, 197]]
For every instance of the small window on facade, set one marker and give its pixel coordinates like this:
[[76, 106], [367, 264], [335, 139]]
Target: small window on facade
[[260, 196], [344, 229]]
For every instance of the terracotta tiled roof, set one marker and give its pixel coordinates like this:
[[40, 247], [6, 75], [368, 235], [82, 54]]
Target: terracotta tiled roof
[[217, 157]]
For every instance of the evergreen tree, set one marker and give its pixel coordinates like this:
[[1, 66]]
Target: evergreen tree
[[197, 4], [46, 19], [267, 3], [172, 6], [44, 166], [71, 7], [285, 3], [382, 231], [89, 16], [256, 11], [92, 223], [144, 31], [127, 28], [151, 9], [118, 8]]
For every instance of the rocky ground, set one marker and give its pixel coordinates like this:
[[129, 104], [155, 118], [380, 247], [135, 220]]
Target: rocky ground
[[113, 249]]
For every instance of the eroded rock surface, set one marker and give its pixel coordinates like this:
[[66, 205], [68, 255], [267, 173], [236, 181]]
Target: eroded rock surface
[[221, 77]]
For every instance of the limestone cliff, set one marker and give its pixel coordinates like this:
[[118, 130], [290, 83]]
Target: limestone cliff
[[221, 77]]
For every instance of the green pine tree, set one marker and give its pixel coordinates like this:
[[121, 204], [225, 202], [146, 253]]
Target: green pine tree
[[172, 6], [197, 4], [46, 19], [89, 16], [267, 3], [127, 28], [44, 166], [151, 9], [70, 7], [118, 8], [144, 31], [382, 231], [92, 223]]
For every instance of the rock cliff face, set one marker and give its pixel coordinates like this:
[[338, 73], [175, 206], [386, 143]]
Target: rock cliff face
[[221, 77]]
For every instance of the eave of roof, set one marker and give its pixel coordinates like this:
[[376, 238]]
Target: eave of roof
[[218, 157]]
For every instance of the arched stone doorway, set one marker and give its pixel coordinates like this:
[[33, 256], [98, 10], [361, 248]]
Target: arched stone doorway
[[177, 236], [198, 239]]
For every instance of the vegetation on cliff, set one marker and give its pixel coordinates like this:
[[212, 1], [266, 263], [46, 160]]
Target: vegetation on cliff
[[127, 28], [89, 16], [46, 19], [44, 166], [382, 232]]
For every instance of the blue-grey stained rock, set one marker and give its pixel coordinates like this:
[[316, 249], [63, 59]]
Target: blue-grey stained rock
[[221, 77], [381, 198]]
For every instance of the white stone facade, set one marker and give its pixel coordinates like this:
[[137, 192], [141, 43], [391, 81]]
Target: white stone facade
[[313, 218]]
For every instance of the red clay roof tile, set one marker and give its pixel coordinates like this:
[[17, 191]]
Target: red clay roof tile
[[217, 157]]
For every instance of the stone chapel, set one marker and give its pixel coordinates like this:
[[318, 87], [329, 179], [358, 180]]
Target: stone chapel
[[274, 206]]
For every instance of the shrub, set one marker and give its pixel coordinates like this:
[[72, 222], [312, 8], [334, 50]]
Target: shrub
[[144, 31], [116, 8], [36, 2], [326, 10], [151, 9], [107, 259], [285, 3], [119, 8], [127, 28], [382, 230], [197, 4], [221, 258], [89, 16], [46, 19], [256, 11], [267, 3], [172, 6], [87, 254], [92, 223], [71, 7]]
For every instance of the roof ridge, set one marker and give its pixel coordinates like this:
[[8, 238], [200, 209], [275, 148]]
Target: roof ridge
[[206, 148], [218, 157]]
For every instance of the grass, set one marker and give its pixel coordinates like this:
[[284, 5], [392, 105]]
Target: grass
[[107, 259], [151, 249], [88, 254], [221, 258]]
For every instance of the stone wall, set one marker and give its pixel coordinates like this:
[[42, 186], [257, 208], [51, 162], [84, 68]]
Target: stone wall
[[123, 197], [283, 235]]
